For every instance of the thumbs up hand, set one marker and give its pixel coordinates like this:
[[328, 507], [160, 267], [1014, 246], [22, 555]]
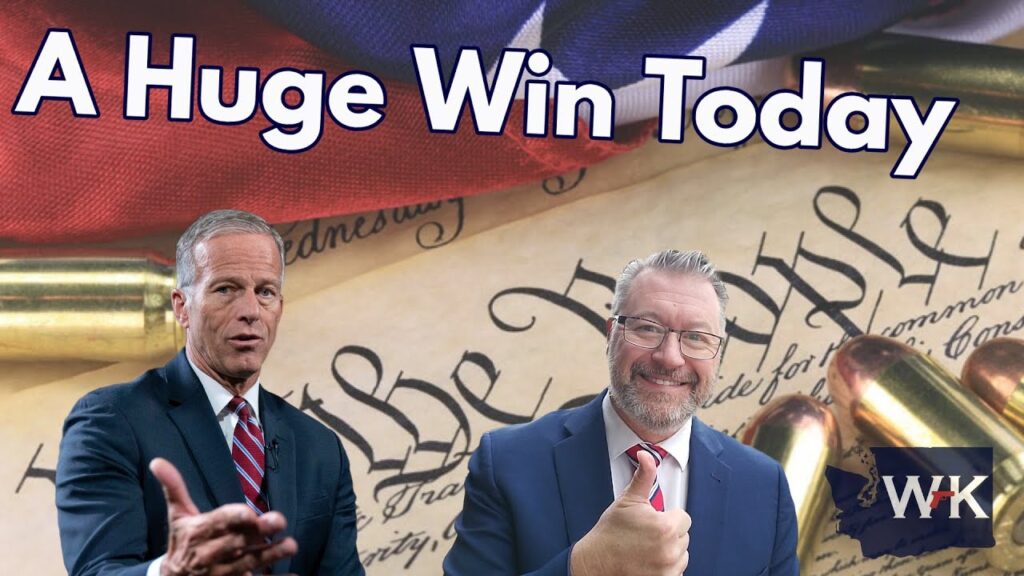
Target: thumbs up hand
[[631, 537]]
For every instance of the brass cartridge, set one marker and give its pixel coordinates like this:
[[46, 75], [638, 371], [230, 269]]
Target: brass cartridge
[[987, 80], [995, 372], [96, 308], [801, 434]]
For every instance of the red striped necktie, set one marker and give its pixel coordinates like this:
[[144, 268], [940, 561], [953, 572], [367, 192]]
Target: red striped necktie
[[247, 452], [659, 453]]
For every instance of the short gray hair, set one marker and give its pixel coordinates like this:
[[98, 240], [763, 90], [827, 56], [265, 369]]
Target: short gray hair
[[691, 262], [218, 223]]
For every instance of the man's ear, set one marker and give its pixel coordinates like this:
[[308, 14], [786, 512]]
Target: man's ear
[[178, 304]]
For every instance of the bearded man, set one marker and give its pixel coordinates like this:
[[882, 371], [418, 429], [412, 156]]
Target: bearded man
[[633, 482]]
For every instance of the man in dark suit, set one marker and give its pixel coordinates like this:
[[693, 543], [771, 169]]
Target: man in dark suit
[[633, 483], [194, 468]]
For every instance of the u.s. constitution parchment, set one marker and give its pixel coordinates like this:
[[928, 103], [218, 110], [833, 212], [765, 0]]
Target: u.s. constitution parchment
[[412, 332]]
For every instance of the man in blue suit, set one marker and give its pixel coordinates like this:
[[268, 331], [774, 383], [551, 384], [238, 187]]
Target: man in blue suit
[[195, 468], [633, 483]]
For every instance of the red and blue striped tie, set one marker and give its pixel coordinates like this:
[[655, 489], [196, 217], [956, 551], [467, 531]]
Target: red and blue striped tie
[[659, 453], [247, 452]]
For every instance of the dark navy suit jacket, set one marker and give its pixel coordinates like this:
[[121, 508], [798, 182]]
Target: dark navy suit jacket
[[535, 489], [111, 509]]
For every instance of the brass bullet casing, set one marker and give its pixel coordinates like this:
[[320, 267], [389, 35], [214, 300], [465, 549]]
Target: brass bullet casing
[[896, 396], [801, 434], [995, 372], [988, 81], [95, 308]]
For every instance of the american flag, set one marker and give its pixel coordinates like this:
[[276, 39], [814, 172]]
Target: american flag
[[70, 179]]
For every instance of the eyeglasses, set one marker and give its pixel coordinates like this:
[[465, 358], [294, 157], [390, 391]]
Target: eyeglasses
[[649, 334]]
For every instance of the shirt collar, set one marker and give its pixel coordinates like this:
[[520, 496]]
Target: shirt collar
[[621, 437], [219, 396]]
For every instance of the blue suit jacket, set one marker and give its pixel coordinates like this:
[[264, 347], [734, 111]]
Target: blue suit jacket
[[535, 489], [111, 509]]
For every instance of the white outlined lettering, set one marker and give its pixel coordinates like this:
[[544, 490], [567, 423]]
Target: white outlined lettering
[[356, 101], [673, 71], [922, 132], [57, 52], [295, 102], [806, 103], [489, 106], [304, 121], [242, 109], [140, 76]]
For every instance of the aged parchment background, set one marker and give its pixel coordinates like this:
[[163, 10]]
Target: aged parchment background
[[482, 312]]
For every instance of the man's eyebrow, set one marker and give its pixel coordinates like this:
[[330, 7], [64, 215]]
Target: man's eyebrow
[[214, 279], [698, 325], [239, 280]]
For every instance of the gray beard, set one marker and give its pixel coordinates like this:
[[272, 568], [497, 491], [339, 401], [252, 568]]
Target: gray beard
[[660, 413]]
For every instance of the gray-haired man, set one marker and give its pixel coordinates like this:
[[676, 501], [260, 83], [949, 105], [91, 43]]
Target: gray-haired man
[[633, 483], [195, 468]]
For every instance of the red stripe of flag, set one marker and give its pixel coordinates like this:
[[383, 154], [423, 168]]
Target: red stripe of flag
[[66, 178]]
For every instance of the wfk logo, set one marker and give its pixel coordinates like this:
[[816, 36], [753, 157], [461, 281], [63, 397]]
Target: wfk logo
[[927, 499], [955, 494]]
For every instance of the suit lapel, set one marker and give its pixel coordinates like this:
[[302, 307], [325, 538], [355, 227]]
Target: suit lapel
[[191, 412], [585, 483], [280, 479], [583, 471], [706, 499]]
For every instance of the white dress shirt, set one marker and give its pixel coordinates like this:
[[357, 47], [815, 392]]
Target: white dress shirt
[[226, 418], [220, 398], [672, 474]]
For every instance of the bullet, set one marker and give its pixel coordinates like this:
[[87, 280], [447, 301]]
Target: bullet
[[995, 372], [801, 434], [95, 308], [988, 81], [896, 396]]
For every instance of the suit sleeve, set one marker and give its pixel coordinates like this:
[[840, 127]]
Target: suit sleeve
[[784, 560], [100, 511], [485, 539], [340, 554]]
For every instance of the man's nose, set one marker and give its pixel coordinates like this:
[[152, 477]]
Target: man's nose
[[669, 354], [248, 307]]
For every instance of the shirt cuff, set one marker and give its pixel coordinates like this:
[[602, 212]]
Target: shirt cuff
[[154, 566]]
